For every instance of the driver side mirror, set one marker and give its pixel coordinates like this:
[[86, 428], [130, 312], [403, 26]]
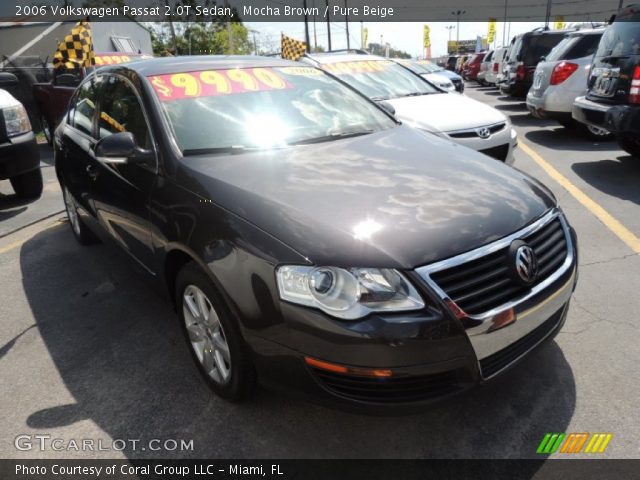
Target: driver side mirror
[[8, 80], [387, 106], [121, 148]]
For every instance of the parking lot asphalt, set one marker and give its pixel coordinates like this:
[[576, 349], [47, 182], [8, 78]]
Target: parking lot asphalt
[[16, 214], [87, 351]]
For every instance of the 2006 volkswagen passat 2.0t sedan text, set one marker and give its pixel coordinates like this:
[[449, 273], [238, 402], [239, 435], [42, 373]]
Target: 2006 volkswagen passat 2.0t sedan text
[[308, 240]]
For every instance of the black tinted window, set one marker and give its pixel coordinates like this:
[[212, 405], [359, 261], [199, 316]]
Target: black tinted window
[[538, 46], [84, 107], [585, 47], [621, 38], [120, 111]]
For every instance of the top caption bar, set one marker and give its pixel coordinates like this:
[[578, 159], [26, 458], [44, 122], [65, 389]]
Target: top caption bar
[[320, 10]]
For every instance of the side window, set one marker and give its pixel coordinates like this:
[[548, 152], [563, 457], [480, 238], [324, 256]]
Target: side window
[[120, 111], [84, 108]]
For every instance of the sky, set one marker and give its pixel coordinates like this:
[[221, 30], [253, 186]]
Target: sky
[[405, 36]]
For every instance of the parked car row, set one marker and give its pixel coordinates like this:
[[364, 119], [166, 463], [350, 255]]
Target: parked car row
[[333, 227], [587, 77]]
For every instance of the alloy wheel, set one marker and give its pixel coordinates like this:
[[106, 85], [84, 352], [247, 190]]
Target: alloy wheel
[[206, 335]]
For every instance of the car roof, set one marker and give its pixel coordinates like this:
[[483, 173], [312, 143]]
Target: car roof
[[341, 57], [165, 65]]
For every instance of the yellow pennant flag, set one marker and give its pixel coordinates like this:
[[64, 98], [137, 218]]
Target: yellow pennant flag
[[492, 30], [426, 37], [365, 37], [76, 50], [559, 24]]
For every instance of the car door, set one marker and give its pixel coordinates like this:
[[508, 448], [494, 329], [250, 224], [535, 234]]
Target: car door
[[74, 155], [121, 192]]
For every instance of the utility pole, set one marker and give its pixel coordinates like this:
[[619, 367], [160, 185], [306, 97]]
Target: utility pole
[[326, 2], [346, 21], [173, 32], [504, 24], [548, 15], [306, 26], [362, 35], [315, 36], [458, 14], [255, 44]]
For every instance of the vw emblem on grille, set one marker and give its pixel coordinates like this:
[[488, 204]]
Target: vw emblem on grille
[[524, 263], [483, 132]]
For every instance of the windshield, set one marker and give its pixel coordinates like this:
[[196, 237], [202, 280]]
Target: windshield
[[380, 79], [428, 66], [621, 38], [262, 108]]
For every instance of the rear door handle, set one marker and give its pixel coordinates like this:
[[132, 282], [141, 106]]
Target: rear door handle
[[92, 171]]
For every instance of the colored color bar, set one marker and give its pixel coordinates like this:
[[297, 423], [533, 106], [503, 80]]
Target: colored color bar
[[606, 441], [543, 443], [581, 440]]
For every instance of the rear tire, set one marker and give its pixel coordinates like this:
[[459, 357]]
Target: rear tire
[[83, 234], [213, 336], [28, 185], [630, 144]]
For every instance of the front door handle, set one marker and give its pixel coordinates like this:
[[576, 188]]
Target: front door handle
[[92, 172]]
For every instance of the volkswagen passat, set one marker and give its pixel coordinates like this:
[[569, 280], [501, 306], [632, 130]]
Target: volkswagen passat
[[420, 104], [306, 239]]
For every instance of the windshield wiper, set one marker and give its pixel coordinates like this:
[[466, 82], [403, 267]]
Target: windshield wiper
[[415, 94], [227, 149], [331, 137], [379, 98]]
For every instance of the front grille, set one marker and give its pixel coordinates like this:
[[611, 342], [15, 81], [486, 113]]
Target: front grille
[[472, 133], [494, 363], [390, 390], [499, 153], [486, 283]]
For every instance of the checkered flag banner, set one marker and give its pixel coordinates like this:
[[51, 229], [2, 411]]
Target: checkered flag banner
[[292, 49], [76, 50]]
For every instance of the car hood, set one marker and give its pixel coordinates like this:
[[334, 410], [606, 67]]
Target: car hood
[[399, 198], [445, 112]]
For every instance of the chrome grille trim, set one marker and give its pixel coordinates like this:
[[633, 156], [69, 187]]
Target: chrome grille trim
[[472, 132], [426, 271]]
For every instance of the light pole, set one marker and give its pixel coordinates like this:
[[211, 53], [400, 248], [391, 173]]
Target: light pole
[[450, 27], [504, 24], [458, 14]]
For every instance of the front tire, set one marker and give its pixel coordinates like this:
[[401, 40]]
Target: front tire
[[630, 144], [83, 234], [213, 336], [28, 185]]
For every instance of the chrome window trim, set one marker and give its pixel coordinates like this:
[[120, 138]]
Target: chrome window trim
[[426, 271]]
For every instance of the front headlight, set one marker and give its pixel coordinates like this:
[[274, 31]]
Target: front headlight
[[16, 120], [348, 294]]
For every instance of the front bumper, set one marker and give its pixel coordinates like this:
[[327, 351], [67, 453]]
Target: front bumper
[[615, 118], [425, 356], [18, 155]]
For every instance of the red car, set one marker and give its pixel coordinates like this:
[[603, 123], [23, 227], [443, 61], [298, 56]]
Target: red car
[[472, 67]]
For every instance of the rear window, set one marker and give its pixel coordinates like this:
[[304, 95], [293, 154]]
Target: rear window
[[575, 46], [538, 46], [622, 37]]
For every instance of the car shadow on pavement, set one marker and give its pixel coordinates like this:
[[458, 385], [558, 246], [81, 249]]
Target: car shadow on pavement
[[569, 139], [619, 178], [119, 351], [512, 107]]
